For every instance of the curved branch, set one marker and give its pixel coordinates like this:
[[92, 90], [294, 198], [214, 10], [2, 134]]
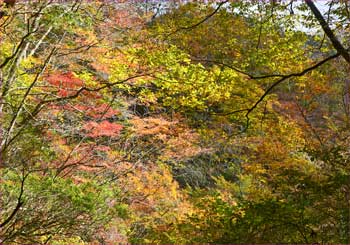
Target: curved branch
[[330, 34], [237, 69], [20, 202], [186, 28], [285, 77], [275, 84]]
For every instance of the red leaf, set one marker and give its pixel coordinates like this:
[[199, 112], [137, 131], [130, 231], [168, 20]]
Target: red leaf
[[66, 80], [104, 128]]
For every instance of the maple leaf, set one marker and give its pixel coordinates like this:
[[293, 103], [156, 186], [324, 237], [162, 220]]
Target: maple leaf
[[104, 111], [65, 80], [104, 128], [63, 92]]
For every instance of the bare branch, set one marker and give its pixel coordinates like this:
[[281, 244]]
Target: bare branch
[[285, 77], [237, 69], [19, 109], [275, 84], [20, 202], [186, 28], [336, 43]]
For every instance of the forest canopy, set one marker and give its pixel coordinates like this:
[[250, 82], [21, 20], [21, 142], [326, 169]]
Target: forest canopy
[[174, 122]]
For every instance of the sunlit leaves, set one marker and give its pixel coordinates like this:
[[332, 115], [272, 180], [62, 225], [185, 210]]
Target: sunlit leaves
[[180, 84]]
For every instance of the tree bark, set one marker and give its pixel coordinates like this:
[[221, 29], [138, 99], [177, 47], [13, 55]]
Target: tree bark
[[330, 34]]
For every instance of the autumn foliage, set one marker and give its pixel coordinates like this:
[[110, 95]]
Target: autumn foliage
[[174, 122]]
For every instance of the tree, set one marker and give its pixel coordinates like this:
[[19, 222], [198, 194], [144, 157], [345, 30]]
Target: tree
[[43, 90], [174, 122]]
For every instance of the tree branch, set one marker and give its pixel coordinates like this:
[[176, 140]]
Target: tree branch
[[19, 203], [237, 69], [285, 77], [186, 28], [336, 43], [279, 81], [7, 134]]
